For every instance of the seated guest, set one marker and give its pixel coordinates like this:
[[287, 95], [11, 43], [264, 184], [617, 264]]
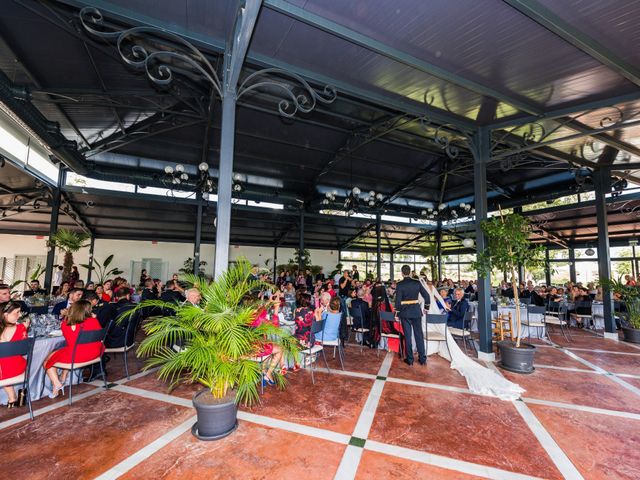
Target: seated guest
[[459, 308], [277, 356], [108, 290], [61, 309], [116, 335], [93, 299], [360, 302], [90, 286], [34, 289], [193, 297], [78, 318], [5, 296], [331, 321], [444, 293], [79, 284], [303, 318], [61, 292], [12, 331], [172, 293]]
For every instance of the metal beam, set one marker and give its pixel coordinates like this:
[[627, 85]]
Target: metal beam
[[378, 249], [552, 22], [53, 228], [206, 42], [394, 54]]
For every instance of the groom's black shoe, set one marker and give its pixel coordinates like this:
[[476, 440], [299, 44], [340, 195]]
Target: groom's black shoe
[[408, 362], [423, 362]]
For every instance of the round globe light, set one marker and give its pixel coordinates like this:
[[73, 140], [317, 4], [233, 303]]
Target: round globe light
[[355, 190], [179, 168], [203, 167], [468, 242], [168, 170]]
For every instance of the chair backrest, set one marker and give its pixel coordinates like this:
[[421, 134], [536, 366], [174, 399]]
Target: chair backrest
[[616, 306], [356, 313], [20, 347], [554, 306], [494, 307], [583, 304], [468, 318], [387, 316], [435, 318], [526, 300], [535, 309], [91, 336]]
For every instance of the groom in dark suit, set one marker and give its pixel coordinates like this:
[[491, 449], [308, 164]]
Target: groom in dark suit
[[459, 308], [409, 311]]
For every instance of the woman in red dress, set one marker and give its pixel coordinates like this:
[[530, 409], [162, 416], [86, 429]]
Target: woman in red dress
[[11, 331], [79, 318], [277, 357]]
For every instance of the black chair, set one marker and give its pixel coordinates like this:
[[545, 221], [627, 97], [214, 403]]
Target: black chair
[[389, 317], [437, 319], [535, 310], [586, 313], [525, 300], [22, 348], [358, 318], [557, 315], [465, 332], [129, 339], [309, 353], [85, 337]]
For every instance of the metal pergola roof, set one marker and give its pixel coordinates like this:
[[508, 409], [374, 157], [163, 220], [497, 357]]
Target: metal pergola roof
[[557, 82]]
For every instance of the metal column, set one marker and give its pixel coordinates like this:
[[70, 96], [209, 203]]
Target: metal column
[[547, 267], [301, 243], [602, 182], [439, 253], [572, 266], [236, 50], [391, 266], [275, 263], [196, 244], [91, 249], [53, 228], [378, 249], [481, 153]]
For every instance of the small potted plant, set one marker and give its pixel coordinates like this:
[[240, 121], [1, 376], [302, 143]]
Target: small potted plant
[[630, 295], [212, 344], [508, 248]]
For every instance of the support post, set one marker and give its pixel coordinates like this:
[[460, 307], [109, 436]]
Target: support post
[[196, 243], [301, 243], [481, 153], [572, 266], [236, 50], [378, 249], [439, 253], [275, 263], [91, 249], [547, 267], [602, 180], [53, 228], [391, 265]]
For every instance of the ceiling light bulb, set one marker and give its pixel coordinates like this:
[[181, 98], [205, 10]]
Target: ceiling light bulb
[[203, 167], [168, 170], [179, 168], [184, 176], [467, 243], [355, 190], [379, 196]]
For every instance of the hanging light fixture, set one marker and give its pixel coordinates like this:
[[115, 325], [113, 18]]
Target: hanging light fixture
[[468, 243], [590, 252]]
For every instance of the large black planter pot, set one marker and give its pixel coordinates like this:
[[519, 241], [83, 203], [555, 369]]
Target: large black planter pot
[[518, 360], [215, 419], [631, 335]]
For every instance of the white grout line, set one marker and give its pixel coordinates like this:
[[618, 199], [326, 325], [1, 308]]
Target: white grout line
[[627, 375], [415, 383], [349, 464], [49, 408], [613, 377], [162, 397], [567, 369], [295, 427], [352, 454], [347, 373], [137, 375], [582, 408], [557, 455], [445, 462], [600, 351], [144, 453]]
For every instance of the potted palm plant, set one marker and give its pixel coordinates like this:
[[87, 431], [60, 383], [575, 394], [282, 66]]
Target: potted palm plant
[[212, 344], [69, 242], [630, 295], [508, 248]]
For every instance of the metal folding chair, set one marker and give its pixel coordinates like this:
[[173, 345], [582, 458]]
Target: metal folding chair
[[19, 348]]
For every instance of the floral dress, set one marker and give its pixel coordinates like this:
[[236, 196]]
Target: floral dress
[[303, 319]]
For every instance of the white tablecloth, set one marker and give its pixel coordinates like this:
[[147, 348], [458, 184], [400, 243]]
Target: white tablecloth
[[524, 329]]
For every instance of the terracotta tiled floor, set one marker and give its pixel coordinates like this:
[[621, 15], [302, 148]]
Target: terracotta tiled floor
[[601, 446], [466, 427], [408, 425]]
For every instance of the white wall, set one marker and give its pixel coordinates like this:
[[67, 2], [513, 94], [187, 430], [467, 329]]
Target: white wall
[[126, 251]]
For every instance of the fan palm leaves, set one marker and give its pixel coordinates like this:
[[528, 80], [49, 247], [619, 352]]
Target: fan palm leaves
[[216, 338], [69, 241]]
